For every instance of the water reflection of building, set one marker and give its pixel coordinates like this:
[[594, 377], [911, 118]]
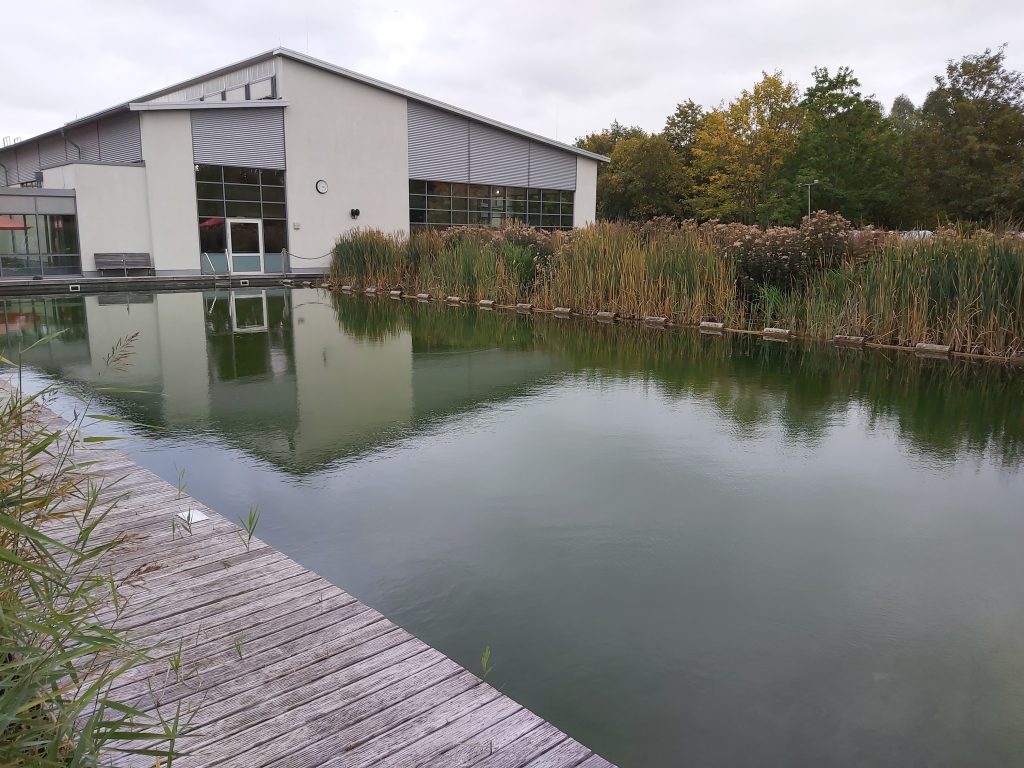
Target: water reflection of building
[[269, 371]]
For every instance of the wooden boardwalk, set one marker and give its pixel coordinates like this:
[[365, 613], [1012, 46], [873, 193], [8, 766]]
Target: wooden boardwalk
[[278, 667]]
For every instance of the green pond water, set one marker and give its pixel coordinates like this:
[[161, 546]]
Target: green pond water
[[682, 550]]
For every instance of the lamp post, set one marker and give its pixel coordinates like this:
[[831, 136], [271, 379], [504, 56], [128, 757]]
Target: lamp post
[[809, 184]]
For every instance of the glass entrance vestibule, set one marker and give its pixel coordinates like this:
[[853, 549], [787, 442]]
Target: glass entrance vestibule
[[38, 234], [242, 219]]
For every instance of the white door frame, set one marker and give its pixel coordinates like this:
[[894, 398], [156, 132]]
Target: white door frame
[[231, 255], [234, 311]]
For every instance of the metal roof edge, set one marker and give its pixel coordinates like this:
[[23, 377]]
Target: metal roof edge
[[135, 104], [141, 106], [328, 67]]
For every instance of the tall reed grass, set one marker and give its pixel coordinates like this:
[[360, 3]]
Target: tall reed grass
[[61, 651], [957, 288]]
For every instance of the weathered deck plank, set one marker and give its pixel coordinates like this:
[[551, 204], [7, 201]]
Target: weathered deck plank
[[281, 668]]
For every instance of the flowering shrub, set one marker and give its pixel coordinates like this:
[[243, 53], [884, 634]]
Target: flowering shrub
[[784, 256]]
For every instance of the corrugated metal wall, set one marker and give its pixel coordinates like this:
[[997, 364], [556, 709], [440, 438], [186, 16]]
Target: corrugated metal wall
[[551, 168], [446, 147], [120, 138], [496, 157], [84, 143], [242, 137], [438, 145], [115, 139]]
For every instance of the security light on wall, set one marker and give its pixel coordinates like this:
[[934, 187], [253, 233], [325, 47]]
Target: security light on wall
[[355, 213]]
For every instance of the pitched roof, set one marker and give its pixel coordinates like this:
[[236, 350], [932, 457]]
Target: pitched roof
[[327, 67]]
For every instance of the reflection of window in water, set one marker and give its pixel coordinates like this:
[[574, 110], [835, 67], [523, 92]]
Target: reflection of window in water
[[249, 313]]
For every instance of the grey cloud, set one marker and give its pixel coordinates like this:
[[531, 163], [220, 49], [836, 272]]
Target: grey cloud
[[545, 66]]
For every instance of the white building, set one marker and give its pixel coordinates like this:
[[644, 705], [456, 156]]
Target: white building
[[281, 152]]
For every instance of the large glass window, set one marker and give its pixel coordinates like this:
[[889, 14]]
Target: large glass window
[[444, 204], [242, 193], [34, 244]]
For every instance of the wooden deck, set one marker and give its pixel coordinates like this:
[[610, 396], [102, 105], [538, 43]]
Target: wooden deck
[[278, 667]]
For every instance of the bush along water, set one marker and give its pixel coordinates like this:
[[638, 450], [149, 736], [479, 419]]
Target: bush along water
[[964, 289]]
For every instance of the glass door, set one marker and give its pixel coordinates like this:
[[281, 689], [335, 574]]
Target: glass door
[[245, 246]]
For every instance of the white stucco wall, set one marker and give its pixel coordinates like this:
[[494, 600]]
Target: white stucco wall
[[585, 202], [355, 138], [171, 191], [113, 211]]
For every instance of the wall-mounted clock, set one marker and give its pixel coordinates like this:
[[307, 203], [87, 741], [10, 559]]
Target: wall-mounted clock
[[321, 187]]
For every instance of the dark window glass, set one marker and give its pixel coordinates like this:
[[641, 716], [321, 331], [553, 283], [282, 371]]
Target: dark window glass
[[241, 175], [459, 217], [534, 194], [439, 217], [567, 221], [497, 192], [417, 187], [566, 208], [211, 208], [417, 201], [550, 195], [439, 188], [516, 193], [417, 217], [242, 210], [241, 192], [273, 194], [62, 264], [565, 197], [551, 221], [478, 219], [479, 205], [275, 236], [272, 176], [479, 190], [459, 204], [459, 190], [533, 219], [549, 209], [60, 233], [211, 235], [534, 207], [209, 191], [516, 206], [438, 203], [21, 264], [209, 173], [273, 210]]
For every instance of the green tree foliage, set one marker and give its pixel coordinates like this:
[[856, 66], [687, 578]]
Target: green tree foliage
[[645, 178], [740, 151], [973, 126], [846, 146], [604, 143], [959, 157]]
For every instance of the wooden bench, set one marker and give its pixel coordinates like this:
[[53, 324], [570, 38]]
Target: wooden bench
[[123, 262]]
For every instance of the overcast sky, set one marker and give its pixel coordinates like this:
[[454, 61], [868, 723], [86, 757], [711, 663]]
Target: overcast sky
[[561, 69]]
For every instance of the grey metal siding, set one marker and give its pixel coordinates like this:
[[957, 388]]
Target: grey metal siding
[[551, 168], [52, 151], [28, 162], [241, 137], [120, 139], [438, 144], [88, 141], [63, 205], [497, 157], [9, 172]]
